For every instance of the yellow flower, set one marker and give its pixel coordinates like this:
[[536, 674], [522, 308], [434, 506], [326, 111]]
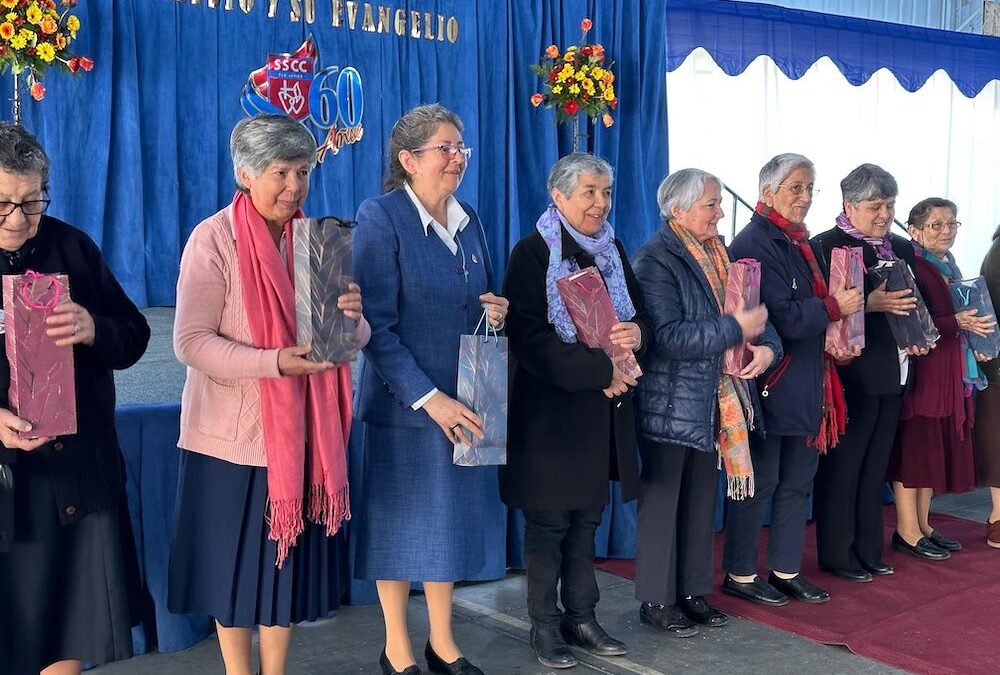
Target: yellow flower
[[72, 24], [60, 41], [609, 94], [9, 4], [565, 74], [574, 89], [34, 13], [569, 56], [7, 30], [583, 70], [557, 89], [588, 84], [597, 72], [28, 35], [11, 16], [46, 52], [18, 42]]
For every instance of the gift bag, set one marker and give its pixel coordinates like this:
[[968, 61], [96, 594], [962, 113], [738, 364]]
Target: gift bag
[[916, 329], [42, 382], [589, 305], [742, 290], [974, 294], [847, 270], [322, 262], [482, 388]]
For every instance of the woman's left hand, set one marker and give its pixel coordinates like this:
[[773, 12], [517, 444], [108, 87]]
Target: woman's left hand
[[350, 302], [496, 308], [626, 334], [982, 358], [70, 324], [763, 357]]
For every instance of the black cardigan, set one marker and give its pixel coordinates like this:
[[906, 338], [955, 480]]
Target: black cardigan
[[86, 469]]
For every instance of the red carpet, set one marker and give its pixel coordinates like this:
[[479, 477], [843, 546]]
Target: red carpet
[[929, 617]]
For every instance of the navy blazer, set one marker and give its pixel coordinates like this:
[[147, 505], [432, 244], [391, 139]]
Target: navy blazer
[[419, 298]]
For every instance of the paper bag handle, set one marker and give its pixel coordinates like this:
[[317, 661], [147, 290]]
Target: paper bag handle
[[30, 277], [489, 327]]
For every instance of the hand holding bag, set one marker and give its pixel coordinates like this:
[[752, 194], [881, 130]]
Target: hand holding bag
[[917, 328], [975, 294], [742, 292], [847, 271], [482, 388]]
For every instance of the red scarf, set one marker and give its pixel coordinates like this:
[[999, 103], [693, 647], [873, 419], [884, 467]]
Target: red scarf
[[834, 418], [306, 419]]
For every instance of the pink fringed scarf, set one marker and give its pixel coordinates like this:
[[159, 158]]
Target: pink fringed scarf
[[309, 456]]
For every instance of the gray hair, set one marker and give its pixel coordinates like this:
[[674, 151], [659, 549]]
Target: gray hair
[[410, 132], [778, 167], [867, 182], [21, 153], [919, 213], [565, 173], [682, 189], [259, 141]]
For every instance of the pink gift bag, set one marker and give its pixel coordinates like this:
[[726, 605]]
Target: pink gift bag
[[847, 270], [744, 284]]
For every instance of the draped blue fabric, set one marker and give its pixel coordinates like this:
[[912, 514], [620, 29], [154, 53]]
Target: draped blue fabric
[[735, 33], [139, 146]]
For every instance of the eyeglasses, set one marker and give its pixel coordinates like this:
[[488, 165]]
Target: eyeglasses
[[951, 225], [798, 188], [447, 150], [34, 207]]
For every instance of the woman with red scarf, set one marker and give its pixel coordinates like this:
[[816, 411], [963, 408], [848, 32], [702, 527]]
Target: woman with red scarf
[[801, 395]]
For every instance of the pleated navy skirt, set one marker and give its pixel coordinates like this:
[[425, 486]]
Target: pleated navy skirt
[[223, 564]]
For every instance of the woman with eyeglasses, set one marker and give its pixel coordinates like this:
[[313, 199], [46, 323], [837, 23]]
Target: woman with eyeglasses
[[69, 579], [421, 256], [800, 395], [934, 442]]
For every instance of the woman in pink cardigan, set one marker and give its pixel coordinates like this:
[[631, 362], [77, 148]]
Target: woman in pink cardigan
[[263, 482]]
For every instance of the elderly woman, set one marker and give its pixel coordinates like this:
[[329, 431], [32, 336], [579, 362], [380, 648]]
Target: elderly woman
[[421, 254], [988, 408], [934, 441], [801, 396], [692, 417], [570, 406], [263, 475], [847, 507], [67, 560]]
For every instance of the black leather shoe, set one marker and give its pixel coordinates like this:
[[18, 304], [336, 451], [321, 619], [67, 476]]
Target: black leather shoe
[[667, 618], [758, 591], [591, 638], [879, 569], [387, 669], [698, 610], [797, 587], [459, 666], [550, 648], [944, 542], [860, 576], [924, 548]]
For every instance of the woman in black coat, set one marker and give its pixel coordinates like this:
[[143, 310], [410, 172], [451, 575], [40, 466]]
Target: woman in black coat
[[691, 416], [571, 424]]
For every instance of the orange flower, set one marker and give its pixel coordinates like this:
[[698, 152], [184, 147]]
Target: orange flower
[[552, 51], [608, 120], [49, 25], [586, 25], [37, 91], [598, 49], [536, 99], [6, 30]]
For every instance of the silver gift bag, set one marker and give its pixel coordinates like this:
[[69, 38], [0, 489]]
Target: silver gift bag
[[482, 387]]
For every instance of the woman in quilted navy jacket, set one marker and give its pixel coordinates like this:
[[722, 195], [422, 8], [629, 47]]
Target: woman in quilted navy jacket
[[690, 414]]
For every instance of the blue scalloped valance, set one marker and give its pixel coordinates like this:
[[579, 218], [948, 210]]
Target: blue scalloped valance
[[735, 33]]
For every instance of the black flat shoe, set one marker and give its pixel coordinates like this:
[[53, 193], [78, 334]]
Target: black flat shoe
[[590, 637], [797, 587], [944, 542], [667, 618], [698, 610], [860, 576], [550, 648], [758, 591], [459, 666], [924, 548], [387, 669], [879, 569]]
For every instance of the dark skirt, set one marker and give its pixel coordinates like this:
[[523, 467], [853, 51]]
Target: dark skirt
[[66, 591], [930, 453], [223, 564], [988, 435]]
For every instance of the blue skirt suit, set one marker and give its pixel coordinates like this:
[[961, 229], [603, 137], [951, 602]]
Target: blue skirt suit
[[421, 517]]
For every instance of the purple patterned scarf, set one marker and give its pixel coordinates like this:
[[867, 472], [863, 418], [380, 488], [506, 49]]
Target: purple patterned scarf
[[882, 245]]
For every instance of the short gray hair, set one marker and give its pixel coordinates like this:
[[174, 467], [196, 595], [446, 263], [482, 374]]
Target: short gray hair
[[919, 213], [778, 167], [261, 140], [21, 153], [682, 189], [410, 132], [565, 173], [867, 182]]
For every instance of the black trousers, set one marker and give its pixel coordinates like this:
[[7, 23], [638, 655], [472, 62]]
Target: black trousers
[[783, 468], [848, 505], [676, 512], [559, 551]]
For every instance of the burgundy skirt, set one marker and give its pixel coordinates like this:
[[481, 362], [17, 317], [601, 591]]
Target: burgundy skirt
[[930, 453]]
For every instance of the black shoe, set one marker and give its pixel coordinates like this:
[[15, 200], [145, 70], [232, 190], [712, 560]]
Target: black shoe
[[667, 618], [387, 668], [550, 648], [459, 666], [698, 610], [924, 548], [860, 576], [758, 591], [590, 637], [879, 569], [797, 587], [944, 542]]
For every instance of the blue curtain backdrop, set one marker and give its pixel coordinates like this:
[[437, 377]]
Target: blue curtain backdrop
[[140, 144]]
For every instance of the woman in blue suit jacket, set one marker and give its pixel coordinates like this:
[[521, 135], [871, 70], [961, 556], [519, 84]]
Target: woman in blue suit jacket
[[421, 255]]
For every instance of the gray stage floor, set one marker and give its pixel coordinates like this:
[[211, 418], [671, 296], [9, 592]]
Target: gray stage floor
[[491, 618]]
